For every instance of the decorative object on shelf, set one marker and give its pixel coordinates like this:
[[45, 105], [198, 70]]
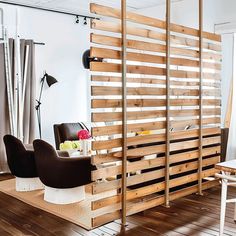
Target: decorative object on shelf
[[50, 81], [84, 134], [85, 141], [70, 145]]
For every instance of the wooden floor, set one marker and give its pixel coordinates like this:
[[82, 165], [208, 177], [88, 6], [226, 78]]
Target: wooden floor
[[192, 215]]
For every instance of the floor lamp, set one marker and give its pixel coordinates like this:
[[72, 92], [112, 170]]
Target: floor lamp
[[50, 81]]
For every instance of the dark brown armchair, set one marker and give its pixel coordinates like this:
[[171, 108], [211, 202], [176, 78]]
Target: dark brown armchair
[[22, 165], [21, 162], [64, 178], [67, 131]]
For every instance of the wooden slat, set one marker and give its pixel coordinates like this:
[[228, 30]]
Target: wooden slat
[[146, 164], [116, 103], [99, 220], [152, 163], [156, 149], [102, 78], [139, 115], [134, 207], [152, 47], [132, 141], [137, 18], [148, 58], [148, 70], [194, 143], [192, 122], [148, 67], [153, 188], [138, 152], [110, 90], [147, 33], [133, 128]]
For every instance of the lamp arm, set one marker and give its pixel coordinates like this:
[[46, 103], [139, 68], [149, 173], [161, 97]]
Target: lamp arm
[[41, 89], [37, 107]]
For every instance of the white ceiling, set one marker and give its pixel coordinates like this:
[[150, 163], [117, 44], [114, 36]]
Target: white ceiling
[[82, 6]]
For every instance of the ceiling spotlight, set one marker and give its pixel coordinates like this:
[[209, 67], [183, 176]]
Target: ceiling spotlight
[[85, 21], [77, 20]]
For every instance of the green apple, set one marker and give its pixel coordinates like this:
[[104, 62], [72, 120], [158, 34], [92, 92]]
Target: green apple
[[68, 145], [76, 144]]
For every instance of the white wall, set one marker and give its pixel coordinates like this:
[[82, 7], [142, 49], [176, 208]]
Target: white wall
[[215, 11], [66, 101]]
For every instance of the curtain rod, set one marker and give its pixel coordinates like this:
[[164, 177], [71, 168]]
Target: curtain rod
[[48, 9], [37, 43]]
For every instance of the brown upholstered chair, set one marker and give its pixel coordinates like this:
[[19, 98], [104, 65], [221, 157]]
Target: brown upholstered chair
[[67, 131], [64, 178], [22, 165]]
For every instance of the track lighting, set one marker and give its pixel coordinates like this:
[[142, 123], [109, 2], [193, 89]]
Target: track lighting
[[85, 21], [77, 20]]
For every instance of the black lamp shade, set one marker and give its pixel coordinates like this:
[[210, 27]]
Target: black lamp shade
[[50, 80], [86, 59]]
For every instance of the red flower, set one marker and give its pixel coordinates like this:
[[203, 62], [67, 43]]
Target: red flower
[[83, 134]]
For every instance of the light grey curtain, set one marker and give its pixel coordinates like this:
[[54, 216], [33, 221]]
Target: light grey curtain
[[4, 115], [29, 107]]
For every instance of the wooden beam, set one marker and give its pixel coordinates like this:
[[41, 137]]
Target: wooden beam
[[124, 109], [200, 95], [168, 93]]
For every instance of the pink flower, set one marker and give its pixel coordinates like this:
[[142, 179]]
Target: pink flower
[[83, 134]]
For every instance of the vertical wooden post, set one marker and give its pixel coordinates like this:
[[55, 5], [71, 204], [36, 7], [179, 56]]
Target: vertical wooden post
[[200, 94], [124, 115], [167, 163]]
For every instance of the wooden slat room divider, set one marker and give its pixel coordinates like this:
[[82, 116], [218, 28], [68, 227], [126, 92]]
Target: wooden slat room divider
[[191, 95]]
